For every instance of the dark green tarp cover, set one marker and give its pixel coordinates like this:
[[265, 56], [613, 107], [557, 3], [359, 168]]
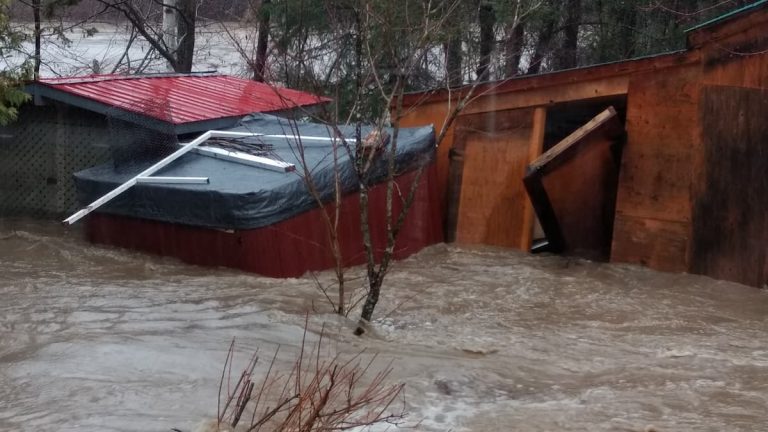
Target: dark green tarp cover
[[245, 197]]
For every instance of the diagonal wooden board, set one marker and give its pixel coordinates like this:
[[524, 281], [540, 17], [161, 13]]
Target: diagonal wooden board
[[606, 120], [605, 124]]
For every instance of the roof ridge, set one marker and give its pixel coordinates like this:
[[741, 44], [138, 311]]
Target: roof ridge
[[727, 16], [117, 77]]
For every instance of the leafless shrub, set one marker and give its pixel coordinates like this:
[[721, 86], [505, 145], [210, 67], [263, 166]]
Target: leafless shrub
[[321, 392]]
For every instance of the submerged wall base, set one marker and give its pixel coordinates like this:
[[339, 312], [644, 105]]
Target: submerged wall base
[[289, 248]]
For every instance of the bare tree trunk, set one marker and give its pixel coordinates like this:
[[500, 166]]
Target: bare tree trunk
[[546, 34], [453, 50], [568, 55], [487, 20], [374, 282], [170, 25], [334, 233], [260, 63], [514, 49], [454, 60], [627, 32], [140, 24], [186, 35], [36, 15]]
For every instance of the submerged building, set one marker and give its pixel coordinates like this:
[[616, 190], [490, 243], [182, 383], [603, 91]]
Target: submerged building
[[659, 161], [75, 123], [240, 200]]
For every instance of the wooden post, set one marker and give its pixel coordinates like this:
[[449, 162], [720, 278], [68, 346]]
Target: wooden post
[[453, 188], [534, 151]]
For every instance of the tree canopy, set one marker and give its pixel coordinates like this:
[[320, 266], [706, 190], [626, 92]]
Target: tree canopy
[[11, 96]]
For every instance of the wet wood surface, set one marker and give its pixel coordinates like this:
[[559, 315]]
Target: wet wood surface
[[730, 224]]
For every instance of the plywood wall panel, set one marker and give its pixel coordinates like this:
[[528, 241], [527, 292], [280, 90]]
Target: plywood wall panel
[[592, 87], [493, 200], [485, 178], [656, 184], [658, 164], [658, 244], [735, 52]]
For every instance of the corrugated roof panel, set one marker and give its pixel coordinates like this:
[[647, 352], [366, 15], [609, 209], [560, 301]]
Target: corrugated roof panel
[[180, 99]]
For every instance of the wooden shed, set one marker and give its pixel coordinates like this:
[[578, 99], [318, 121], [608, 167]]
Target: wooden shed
[[659, 161]]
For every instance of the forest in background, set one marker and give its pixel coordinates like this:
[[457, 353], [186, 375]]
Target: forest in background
[[350, 49], [491, 39]]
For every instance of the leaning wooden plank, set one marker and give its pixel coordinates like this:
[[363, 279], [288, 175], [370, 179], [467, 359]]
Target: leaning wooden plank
[[551, 158], [545, 212], [573, 187]]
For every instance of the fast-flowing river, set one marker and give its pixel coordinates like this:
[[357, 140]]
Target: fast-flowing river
[[101, 339]]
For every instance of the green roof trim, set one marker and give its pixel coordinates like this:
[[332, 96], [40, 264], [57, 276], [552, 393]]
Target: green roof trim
[[728, 15]]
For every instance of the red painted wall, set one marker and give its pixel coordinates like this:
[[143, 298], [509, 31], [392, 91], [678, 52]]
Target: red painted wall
[[289, 248]]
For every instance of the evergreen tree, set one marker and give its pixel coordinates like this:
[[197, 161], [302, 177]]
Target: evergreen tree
[[11, 77]]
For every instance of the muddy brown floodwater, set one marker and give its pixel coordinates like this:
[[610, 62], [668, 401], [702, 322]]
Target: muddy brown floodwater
[[100, 339]]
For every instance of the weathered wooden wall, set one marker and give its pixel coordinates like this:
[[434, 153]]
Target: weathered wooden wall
[[677, 202], [583, 194], [672, 189], [520, 93], [730, 187], [653, 208], [730, 219], [735, 52], [435, 114], [479, 170]]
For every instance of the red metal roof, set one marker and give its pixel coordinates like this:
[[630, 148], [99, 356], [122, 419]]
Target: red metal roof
[[180, 99]]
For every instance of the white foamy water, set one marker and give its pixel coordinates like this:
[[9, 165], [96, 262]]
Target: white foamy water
[[101, 339]]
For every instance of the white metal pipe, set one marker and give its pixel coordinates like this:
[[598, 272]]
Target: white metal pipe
[[246, 159], [229, 134], [293, 137], [147, 172], [186, 148], [173, 180], [303, 137]]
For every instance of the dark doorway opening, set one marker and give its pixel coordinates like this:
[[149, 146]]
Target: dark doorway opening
[[573, 185]]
